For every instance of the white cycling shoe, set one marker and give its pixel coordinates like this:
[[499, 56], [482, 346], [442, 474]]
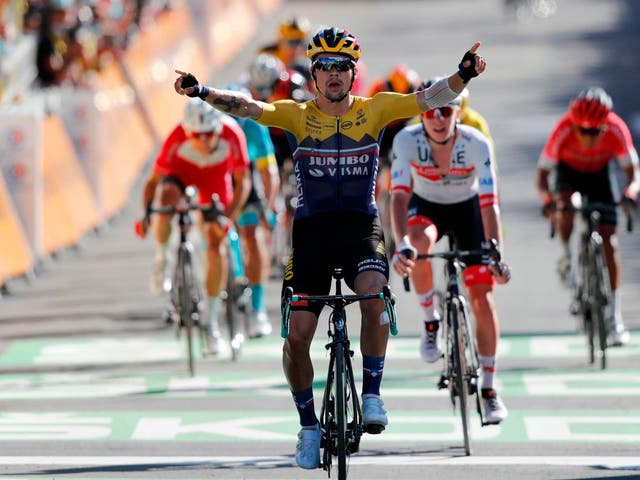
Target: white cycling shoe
[[308, 447]]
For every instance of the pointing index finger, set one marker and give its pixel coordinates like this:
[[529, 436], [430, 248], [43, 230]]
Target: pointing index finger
[[181, 73], [475, 47]]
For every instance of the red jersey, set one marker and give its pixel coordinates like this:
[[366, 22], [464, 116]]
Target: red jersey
[[210, 173], [564, 146]]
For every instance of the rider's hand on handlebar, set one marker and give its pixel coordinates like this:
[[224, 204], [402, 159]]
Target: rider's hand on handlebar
[[141, 227], [548, 206], [501, 272], [629, 202], [403, 257]]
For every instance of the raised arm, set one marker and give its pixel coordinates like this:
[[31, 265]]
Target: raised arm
[[228, 101], [442, 92]]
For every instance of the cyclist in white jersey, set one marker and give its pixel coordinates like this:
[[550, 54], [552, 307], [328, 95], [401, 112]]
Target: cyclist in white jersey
[[443, 181]]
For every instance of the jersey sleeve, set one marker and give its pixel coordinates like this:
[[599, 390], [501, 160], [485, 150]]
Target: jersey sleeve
[[401, 162], [164, 160], [259, 144], [551, 152], [284, 114], [389, 106], [626, 153]]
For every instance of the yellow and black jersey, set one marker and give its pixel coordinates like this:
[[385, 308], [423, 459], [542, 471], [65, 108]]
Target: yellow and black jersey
[[336, 158]]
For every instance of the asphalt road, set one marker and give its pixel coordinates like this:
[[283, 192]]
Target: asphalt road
[[94, 385]]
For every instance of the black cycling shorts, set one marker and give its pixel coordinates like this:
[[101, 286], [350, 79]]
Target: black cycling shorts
[[351, 240], [462, 220], [595, 187]]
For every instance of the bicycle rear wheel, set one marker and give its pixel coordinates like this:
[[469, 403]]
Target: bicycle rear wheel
[[459, 372]]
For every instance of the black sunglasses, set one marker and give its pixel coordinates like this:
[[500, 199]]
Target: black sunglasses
[[590, 131], [326, 64]]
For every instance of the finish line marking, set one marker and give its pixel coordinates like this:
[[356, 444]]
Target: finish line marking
[[611, 462]]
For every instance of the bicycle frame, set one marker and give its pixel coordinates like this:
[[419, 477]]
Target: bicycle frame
[[341, 412], [186, 292]]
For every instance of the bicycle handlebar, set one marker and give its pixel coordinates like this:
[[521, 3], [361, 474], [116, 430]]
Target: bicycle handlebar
[[335, 301], [214, 211], [456, 255], [592, 207]]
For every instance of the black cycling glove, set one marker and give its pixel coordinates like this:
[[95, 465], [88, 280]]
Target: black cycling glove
[[468, 72], [190, 80]]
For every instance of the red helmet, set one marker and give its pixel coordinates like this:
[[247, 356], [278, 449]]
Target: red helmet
[[591, 107]]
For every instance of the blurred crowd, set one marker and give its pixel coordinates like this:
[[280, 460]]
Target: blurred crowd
[[70, 40]]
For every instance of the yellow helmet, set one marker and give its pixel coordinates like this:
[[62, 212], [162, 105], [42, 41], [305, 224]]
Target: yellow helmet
[[334, 40], [296, 28]]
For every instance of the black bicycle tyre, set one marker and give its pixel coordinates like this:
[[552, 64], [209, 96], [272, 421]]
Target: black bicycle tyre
[[186, 303], [327, 424], [341, 410], [586, 303], [459, 370], [230, 313], [600, 296]]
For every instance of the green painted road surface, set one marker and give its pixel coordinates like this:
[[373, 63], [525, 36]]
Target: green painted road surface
[[418, 383], [592, 426], [104, 351]]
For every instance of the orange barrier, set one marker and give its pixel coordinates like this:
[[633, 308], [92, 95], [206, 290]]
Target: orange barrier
[[150, 62], [126, 141], [68, 207], [16, 258]]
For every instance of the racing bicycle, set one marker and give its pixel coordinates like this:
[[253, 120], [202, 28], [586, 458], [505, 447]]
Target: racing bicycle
[[185, 293], [461, 364], [341, 411], [588, 277]]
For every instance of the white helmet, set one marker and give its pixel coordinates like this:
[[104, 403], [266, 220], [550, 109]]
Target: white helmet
[[200, 117], [264, 73]]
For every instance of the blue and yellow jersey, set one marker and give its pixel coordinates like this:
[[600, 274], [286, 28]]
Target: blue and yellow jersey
[[336, 158]]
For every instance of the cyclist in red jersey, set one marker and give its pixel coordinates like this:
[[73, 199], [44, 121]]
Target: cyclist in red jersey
[[581, 150], [207, 150]]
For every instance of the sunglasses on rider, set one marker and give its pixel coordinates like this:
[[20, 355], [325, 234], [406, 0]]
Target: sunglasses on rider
[[443, 112], [326, 64], [203, 135], [591, 131], [294, 42]]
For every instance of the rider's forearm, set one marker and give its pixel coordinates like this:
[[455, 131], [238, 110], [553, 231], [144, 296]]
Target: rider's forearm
[[542, 183], [492, 225], [148, 192], [399, 208], [234, 103], [632, 175], [271, 182]]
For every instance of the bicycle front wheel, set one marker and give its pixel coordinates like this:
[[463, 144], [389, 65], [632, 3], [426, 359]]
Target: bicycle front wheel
[[459, 372], [600, 295], [185, 302], [340, 396]]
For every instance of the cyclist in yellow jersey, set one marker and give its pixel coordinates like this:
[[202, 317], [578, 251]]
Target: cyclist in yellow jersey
[[335, 148], [473, 118]]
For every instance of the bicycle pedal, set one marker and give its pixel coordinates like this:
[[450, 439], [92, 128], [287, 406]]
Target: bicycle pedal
[[374, 428], [443, 383]]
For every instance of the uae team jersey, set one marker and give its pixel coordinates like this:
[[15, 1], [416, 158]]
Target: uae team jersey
[[563, 146], [472, 172], [336, 158], [210, 173]]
